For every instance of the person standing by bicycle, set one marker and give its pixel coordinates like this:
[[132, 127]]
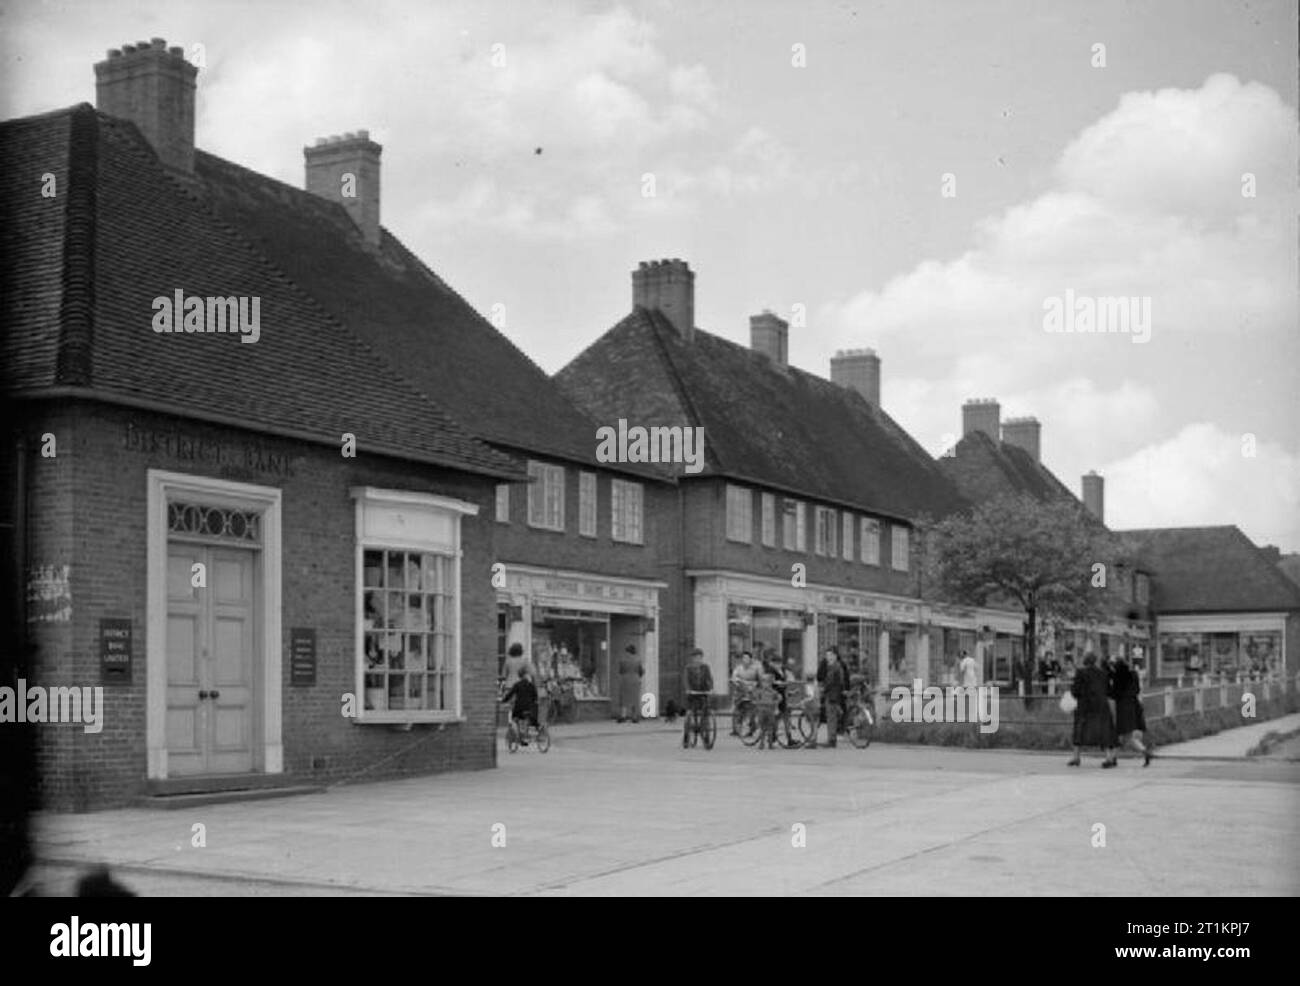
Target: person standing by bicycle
[[744, 680], [699, 686], [524, 693]]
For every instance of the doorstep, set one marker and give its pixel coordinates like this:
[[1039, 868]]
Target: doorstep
[[188, 792]]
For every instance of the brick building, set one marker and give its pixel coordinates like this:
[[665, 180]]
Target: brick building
[[1223, 607], [268, 528], [799, 530], [996, 457]]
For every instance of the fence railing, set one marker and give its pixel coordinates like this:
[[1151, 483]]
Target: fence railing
[[1161, 701]]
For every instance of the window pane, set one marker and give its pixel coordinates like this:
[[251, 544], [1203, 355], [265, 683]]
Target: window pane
[[769, 520], [503, 502]]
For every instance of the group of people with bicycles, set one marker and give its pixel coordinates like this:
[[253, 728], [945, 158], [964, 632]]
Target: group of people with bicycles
[[772, 703]]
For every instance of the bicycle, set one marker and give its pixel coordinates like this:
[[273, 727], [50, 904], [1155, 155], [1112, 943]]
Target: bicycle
[[745, 718], [793, 728], [860, 723], [519, 732], [701, 723]]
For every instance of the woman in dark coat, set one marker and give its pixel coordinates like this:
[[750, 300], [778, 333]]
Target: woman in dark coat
[[1093, 725], [1130, 721], [630, 671]]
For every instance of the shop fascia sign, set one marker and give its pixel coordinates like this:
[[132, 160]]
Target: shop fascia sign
[[588, 590]]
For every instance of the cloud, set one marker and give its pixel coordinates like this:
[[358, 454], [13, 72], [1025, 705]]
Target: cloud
[[1144, 203], [1200, 476]]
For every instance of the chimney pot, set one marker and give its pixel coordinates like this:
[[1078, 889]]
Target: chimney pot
[[144, 84], [1094, 495], [176, 51], [668, 287], [859, 370], [1023, 433], [769, 335], [329, 159], [982, 414]]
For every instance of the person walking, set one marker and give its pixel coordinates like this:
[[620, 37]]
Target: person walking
[[1093, 725], [1130, 719], [630, 673]]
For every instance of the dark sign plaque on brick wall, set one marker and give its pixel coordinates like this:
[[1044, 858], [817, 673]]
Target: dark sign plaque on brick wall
[[302, 656], [115, 650]]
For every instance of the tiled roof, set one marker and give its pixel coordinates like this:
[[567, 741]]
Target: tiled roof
[[1290, 567], [1211, 570], [80, 281], [407, 314], [773, 426], [983, 469]]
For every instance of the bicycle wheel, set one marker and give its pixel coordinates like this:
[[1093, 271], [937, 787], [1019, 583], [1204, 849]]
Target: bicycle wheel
[[795, 730], [710, 727], [747, 725], [543, 738], [512, 737], [862, 724]]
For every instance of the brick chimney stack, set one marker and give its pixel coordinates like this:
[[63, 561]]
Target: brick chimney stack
[[858, 369], [152, 86], [982, 414], [1023, 433], [345, 169], [667, 287], [769, 335], [1094, 495]]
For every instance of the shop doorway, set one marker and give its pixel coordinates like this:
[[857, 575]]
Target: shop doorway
[[625, 631]]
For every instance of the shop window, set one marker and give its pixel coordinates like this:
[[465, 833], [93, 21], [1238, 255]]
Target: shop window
[[846, 539], [503, 503], [546, 496], [898, 555], [587, 504], [408, 605], [740, 514], [573, 646], [769, 520], [870, 541], [782, 631], [793, 532], [826, 524], [1261, 653], [626, 511]]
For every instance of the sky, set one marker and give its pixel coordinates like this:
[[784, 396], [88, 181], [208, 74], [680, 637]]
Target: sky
[[915, 176]]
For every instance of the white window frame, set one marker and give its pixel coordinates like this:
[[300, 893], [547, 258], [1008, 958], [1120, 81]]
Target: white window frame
[[826, 524], [627, 524], [899, 535], [398, 520], [799, 540], [846, 536], [587, 504], [769, 520], [869, 536], [546, 496], [740, 514], [503, 503]]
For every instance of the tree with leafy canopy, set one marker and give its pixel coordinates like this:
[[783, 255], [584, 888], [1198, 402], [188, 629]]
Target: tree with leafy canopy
[[1053, 559]]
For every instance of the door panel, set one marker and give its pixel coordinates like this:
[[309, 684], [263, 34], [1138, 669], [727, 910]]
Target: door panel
[[211, 660]]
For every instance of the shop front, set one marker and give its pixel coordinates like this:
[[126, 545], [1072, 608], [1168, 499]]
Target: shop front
[[576, 630], [890, 640], [1228, 644]]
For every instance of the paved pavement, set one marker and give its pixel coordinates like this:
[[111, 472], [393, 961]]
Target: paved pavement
[[1232, 742], [624, 810]]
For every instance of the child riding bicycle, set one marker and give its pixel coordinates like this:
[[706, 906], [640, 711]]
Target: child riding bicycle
[[524, 693]]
